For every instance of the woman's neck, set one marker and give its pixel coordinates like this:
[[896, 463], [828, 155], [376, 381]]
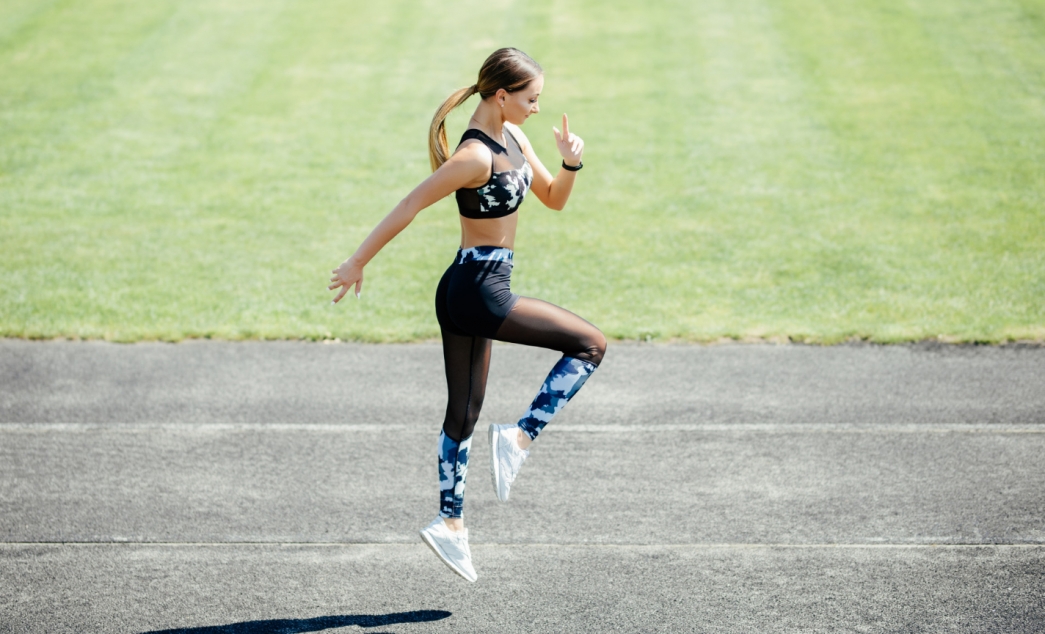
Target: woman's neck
[[489, 120]]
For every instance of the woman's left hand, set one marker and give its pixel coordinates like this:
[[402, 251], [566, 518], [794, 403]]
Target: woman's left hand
[[346, 276], [570, 145]]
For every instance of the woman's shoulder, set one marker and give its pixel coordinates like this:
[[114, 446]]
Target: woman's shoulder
[[469, 162], [473, 148], [518, 134]]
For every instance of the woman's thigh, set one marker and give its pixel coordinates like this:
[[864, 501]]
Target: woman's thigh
[[535, 322]]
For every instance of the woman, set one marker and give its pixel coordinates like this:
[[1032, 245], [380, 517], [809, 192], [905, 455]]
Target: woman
[[490, 172]]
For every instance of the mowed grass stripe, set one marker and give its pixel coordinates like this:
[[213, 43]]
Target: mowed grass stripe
[[945, 144], [760, 168], [240, 163]]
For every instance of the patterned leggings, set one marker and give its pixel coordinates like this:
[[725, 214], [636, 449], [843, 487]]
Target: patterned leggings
[[475, 306]]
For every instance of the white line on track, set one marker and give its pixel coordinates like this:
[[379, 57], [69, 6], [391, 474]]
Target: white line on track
[[411, 544], [847, 428]]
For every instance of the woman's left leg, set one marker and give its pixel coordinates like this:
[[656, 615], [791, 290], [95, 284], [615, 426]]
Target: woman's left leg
[[466, 360], [467, 363]]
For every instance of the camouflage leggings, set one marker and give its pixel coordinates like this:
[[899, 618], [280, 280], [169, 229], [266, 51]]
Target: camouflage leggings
[[475, 306]]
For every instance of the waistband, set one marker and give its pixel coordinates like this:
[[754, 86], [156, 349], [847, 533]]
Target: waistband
[[476, 254]]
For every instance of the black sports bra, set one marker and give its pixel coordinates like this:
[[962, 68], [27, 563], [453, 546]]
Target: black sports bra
[[504, 192]]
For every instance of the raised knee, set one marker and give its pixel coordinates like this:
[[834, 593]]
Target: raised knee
[[596, 349]]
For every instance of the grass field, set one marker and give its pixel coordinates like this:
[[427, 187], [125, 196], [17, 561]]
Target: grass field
[[813, 169]]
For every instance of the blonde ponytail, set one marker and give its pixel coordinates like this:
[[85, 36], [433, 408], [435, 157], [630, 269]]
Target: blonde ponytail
[[507, 68], [438, 150]]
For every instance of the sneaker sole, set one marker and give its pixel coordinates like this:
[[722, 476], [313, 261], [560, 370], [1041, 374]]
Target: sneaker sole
[[442, 556], [493, 463]]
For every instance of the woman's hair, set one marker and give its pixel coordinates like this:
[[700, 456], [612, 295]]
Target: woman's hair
[[507, 68]]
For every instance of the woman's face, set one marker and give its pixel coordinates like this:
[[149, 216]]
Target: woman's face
[[521, 104]]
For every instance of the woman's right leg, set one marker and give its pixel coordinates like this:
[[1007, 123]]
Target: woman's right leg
[[537, 323], [534, 322]]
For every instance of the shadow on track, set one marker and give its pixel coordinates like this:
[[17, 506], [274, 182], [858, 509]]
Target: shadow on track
[[296, 626]]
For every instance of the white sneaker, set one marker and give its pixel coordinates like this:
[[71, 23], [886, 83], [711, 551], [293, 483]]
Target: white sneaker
[[451, 546], [506, 457]]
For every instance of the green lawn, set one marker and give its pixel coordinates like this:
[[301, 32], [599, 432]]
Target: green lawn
[[813, 169]]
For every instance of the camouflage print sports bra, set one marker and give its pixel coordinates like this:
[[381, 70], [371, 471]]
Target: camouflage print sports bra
[[510, 178]]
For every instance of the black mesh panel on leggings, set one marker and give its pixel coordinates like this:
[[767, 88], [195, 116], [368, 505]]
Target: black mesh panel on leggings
[[534, 322], [531, 322], [467, 362]]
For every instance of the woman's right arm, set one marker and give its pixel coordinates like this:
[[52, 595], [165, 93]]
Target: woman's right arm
[[466, 166]]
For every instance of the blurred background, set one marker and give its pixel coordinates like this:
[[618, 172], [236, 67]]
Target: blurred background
[[810, 170]]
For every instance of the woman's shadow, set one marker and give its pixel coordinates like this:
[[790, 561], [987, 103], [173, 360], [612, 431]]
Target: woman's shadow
[[296, 626]]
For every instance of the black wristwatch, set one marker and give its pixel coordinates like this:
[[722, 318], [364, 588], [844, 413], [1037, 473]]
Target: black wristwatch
[[572, 168]]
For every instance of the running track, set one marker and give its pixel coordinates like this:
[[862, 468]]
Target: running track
[[210, 487]]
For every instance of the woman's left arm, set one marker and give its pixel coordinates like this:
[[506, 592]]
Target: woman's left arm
[[554, 192]]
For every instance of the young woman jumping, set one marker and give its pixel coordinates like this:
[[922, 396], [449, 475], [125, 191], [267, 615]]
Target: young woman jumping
[[490, 172]]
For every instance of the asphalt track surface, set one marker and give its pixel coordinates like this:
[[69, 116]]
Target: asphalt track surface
[[249, 488]]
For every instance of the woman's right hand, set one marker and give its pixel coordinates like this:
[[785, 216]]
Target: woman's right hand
[[348, 274], [571, 146]]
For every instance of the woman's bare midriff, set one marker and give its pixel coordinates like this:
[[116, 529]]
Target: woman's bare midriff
[[489, 232]]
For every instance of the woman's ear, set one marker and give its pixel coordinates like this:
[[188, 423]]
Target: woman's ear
[[500, 96]]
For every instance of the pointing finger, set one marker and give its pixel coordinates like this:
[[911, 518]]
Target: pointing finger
[[565, 126]]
